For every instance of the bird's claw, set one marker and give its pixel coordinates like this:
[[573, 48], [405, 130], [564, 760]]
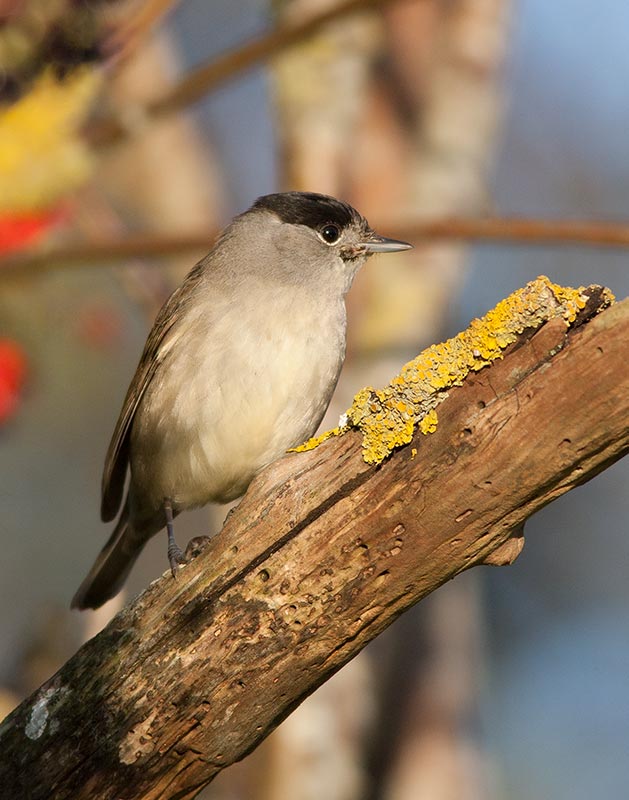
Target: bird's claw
[[176, 558]]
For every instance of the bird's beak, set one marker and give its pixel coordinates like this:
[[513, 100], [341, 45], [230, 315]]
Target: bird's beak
[[378, 244]]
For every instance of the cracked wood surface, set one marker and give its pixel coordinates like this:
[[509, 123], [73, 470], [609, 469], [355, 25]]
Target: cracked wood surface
[[321, 555]]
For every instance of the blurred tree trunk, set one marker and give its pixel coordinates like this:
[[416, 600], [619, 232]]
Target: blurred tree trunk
[[397, 112], [321, 89], [442, 103], [163, 178]]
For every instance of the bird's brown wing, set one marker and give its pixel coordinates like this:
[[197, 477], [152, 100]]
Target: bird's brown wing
[[117, 458]]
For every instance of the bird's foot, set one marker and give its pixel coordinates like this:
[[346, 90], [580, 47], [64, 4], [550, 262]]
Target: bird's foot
[[176, 557]]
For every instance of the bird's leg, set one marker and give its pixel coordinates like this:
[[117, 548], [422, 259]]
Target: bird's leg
[[175, 553]]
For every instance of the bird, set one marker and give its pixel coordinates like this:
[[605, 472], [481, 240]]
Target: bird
[[239, 367]]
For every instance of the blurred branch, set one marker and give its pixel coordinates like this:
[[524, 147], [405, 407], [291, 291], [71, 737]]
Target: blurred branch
[[323, 553], [145, 245], [135, 25], [523, 231], [492, 230], [207, 77]]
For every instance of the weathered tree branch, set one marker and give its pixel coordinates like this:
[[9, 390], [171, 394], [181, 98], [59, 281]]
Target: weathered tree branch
[[321, 555]]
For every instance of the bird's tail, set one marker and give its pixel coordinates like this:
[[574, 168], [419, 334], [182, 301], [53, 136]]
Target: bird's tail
[[111, 568]]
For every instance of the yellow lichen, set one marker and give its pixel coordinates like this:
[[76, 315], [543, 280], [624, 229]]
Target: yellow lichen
[[316, 440], [387, 417], [428, 424]]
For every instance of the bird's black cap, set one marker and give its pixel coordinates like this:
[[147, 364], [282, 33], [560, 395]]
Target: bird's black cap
[[309, 208]]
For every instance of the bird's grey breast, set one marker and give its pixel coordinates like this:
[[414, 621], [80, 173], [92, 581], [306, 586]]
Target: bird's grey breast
[[244, 376]]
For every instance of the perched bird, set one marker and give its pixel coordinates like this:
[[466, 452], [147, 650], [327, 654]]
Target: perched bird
[[239, 366]]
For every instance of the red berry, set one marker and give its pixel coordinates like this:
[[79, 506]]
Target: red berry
[[13, 367]]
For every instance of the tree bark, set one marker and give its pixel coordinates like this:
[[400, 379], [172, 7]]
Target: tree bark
[[321, 555]]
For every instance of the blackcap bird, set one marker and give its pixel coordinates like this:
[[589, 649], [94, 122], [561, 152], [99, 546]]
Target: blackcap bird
[[239, 366]]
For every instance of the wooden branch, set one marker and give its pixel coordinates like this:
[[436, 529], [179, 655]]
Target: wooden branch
[[511, 230], [321, 555], [531, 231], [207, 77]]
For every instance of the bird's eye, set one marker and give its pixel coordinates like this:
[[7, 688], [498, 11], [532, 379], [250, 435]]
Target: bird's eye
[[330, 233]]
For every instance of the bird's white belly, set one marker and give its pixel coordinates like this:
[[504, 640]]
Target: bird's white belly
[[240, 407]]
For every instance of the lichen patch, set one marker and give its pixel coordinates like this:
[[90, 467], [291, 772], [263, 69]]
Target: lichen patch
[[41, 716], [388, 417]]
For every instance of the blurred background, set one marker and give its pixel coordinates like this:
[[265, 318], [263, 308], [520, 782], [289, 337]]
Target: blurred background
[[130, 132]]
